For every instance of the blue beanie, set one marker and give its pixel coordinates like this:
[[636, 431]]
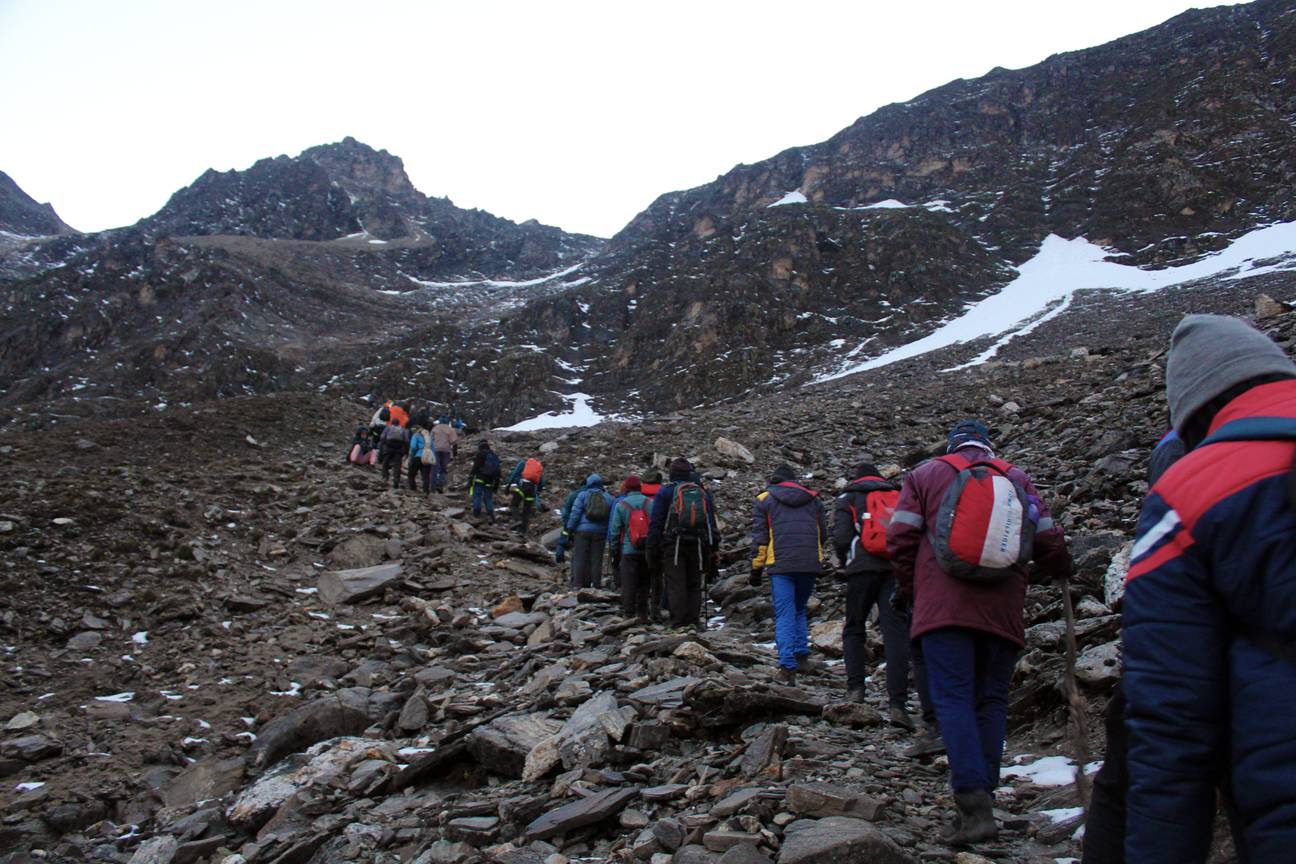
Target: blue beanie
[[968, 432]]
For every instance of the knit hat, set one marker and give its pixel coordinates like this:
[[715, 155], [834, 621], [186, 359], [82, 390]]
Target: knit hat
[[865, 469], [784, 473], [681, 469], [1211, 353], [631, 484], [968, 432], [653, 476], [483, 444]]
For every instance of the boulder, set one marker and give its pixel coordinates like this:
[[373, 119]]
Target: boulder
[[841, 840], [827, 636], [1100, 665], [578, 814], [1114, 579], [203, 780], [337, 587], [327, 761], [360, 551], [764, 755], [503, 745], [734, 450], [827, 799], [343, 713]]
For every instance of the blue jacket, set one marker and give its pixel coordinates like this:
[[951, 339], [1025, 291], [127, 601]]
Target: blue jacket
[[1214, 558], [576, 521], [788, 530], [417, 443], [619, 524], [662, 504]]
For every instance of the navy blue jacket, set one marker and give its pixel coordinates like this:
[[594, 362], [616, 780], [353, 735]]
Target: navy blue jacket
[[1215, 557], [788, 532]]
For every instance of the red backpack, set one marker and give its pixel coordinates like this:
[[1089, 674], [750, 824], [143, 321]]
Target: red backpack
[[637, 525], [985, 527], [531, 470], [872, 525]]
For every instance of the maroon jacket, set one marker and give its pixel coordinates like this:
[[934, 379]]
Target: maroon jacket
[[945, 601]]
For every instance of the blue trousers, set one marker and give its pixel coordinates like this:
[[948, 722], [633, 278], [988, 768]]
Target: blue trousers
[[968, 672], [482, 496], [791, 592], [441, 471]]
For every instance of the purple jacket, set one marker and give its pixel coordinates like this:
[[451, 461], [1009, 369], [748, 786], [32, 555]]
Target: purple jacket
[[940, 600], [788, 532]]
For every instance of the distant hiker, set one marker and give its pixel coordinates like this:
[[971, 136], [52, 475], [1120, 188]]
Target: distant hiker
[[789, 540], [682, 542], [967, 597], [423, 417], [627, 539], [420, 458], [362, 451], [484, 480], [393, 444], [526, 482], [1209, 621], [445, 441], [650, 483], [565, 538], [587, 526], [861, 520], [399, 414]]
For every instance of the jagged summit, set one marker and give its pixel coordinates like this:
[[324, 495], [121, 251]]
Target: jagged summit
[[20, 214]]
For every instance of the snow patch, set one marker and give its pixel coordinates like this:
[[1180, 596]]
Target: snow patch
[[793, 197], [578, 413], [1046, 283]]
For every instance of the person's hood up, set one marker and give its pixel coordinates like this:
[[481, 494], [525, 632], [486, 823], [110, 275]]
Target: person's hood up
[[792, 494], [868, 483], [593, 481], [681, 469]]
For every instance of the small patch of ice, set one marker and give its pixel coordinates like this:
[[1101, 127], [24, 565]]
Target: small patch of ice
[[793, 197], [116, 697]]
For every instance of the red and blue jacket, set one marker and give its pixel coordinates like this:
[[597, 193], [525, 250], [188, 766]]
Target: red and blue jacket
[[1213, 564]]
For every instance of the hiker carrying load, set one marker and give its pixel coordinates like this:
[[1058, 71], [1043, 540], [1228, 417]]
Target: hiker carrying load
[[587, 526], [526, 482], [682, 542]]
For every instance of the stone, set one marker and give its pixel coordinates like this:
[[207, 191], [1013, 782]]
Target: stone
[[855, 714], [695, 654], [22, 721], [665, 792], [841, 840], [157, 850], [446, 852], [203, 780], [667, 694], [310, 669], [669, 832], [511, 603], [414, 714], [31, 748], [586, 737], [745, 853], [87, 640], [694, 854], [764, 755], [542, 759], [723, 839], [111, 711], [1100, 665], [645, 844], [327, 717], [521, 620], [826, 799], [735, 803], [734, 450], [360, 551], [826, 636], [578, 814], [474, 830], [503, 745], [1114, 578], [338, 587], [1267, 307], [649, 735], [326, 761]]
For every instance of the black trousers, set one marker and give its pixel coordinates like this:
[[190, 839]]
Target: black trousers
[[863, 592], [587, 560], [636, 590], [416, 469], [683, 568], [391, 463], [524, 498], [1104, 840]]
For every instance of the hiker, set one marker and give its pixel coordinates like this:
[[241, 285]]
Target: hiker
[[565, 538], [393, 444], [682, 542], [627, 539], [861, 518], [587, 525], [525, 482], [788, 539], [361, 451], [422, 418], [1209, 621], [445, 443], [484, 480], [650, 483], [967, 596], [420, 458]]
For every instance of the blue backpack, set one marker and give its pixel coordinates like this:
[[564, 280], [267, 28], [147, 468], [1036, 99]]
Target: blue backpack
[[490, 470]]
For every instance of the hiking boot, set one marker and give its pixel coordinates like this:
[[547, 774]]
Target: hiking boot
[[856, 694], [785, 676], [900, 717], [929, 744], [975, 820], [808, 663]]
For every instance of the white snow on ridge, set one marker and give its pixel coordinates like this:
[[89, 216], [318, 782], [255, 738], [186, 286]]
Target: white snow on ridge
[[1046, 283], [888, 204], [793, 197], [492, 283], [579, 413]]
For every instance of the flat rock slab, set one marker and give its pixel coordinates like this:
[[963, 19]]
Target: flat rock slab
[[841, 840], [580, 813], [503, 745], [829, 799], [329, 717], [209, 778], [337, 587], [668, 694]]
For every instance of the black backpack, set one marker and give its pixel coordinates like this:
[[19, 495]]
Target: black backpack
[[490, 470], [597, 508]]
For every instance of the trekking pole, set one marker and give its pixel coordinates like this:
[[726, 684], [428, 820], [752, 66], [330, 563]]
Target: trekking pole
[[1078, 725]]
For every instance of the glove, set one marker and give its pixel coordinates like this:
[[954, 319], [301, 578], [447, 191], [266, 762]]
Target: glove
[[902, 606], [560, 553], [756, 577]]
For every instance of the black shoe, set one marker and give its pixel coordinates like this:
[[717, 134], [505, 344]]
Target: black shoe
[[929, 744], [900, 717], [975, 820], [785, 676], [856, 694]]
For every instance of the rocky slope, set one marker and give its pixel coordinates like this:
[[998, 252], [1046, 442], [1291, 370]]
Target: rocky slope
[[187, 677], [22, 216]]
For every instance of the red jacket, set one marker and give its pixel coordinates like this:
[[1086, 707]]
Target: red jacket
[[940, 600]]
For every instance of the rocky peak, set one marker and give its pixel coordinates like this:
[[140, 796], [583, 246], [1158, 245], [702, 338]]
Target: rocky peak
[[21, 214], [360, 168]]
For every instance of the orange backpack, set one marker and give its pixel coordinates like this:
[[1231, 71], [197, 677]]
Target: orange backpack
[[532, 470]]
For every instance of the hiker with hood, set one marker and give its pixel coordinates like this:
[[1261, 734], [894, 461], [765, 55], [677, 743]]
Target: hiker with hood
[[445, 442], [565, 538], [627, 539], [587, 525], [392, 446], [526, 482], [861, 518], [966, 596], [1209, 621], [361, 450], [420, 459], [682, 542], [789, 540], [484, 480]]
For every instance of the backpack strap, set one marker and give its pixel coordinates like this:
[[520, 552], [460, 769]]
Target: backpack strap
[[1254, 429]]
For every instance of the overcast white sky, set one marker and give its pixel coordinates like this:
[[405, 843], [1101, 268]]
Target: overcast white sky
[[575, 113]]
